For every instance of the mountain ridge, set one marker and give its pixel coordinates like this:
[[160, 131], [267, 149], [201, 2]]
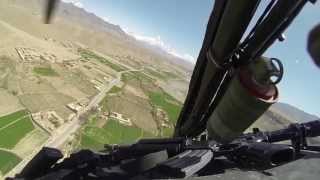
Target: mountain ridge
[[92, 18], [292, 112]]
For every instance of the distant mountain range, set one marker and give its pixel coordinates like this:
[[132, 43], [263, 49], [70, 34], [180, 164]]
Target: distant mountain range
[[81, 16], [100, 36], [280, 115], [292, 113], [75, 24], [78, 15]]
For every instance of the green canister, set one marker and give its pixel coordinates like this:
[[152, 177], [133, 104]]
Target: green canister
[[251, 92]]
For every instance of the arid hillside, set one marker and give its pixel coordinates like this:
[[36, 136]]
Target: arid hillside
[[71, 83], [74, 24]]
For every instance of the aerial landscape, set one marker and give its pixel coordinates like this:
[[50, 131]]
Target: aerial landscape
[[61, 89]]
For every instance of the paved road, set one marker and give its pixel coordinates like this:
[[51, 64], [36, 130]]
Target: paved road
[[62, 134], [73, 125]]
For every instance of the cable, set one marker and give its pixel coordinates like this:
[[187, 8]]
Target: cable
[[261, 18]]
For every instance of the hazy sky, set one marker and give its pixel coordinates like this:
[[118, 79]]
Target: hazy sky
[[301, 83], [179, 25], [176, 25]]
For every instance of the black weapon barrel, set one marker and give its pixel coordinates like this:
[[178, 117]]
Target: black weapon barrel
[[312, 128], [308, 129], [176, 140], [40, 163], [262, 154], [138, 150]]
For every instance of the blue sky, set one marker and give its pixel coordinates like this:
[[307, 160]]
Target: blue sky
[[179, 25], [301, 83], [165, 22]]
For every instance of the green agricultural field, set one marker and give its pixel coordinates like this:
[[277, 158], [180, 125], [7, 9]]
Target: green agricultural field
[[94, 137], [129, 76], [104, 103], [45, 71], [170, 105], [120, 133], [4, 120], [87, 54], [142, 77], [114, 89], [87, 142], [170, 75], [167, 132], [157, 97], [125, 77], [111, 133], [167, 103], [8, 161], [155, 73], [161, 74], [12, 134]]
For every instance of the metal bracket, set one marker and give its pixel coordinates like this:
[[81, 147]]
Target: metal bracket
[[211, 58], [299, 141]]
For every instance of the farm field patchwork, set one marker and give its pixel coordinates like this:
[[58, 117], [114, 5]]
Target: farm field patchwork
[[9, 102], [138, 76], [80, 81], [167, 103], [45, 71], [18, 138], [112, 132], [13, 128], [156, 98], [163, 75], [137, 109], [8, 160], [171, 106], [114, 89], [39, 102], [87, 54], [5, 120]]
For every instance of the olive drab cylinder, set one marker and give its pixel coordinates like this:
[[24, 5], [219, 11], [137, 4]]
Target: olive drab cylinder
[[249, 95]]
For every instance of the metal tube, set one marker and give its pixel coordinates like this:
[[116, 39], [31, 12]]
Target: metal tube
[[271, 28], [201, 64], [235, 19]]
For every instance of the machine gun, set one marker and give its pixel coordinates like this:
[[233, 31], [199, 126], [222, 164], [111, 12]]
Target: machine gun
[[173, 157]]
